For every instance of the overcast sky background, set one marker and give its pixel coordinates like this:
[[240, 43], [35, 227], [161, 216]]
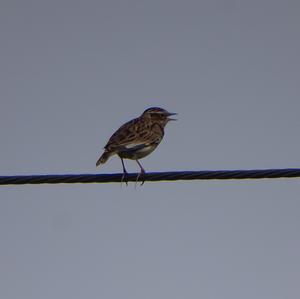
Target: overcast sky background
[[73, 71]]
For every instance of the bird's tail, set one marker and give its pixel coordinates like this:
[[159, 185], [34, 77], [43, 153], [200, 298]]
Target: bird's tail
[[103, 158]]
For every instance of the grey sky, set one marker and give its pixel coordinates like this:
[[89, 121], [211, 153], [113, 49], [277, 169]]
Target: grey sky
[[73, 71]]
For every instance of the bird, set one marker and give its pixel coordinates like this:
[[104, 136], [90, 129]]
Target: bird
[[137, 138]]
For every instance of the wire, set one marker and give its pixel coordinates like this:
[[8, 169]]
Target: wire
[[153, 176]]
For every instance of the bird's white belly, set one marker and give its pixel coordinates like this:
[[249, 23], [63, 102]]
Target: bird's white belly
[[138, 153], [144, 151]]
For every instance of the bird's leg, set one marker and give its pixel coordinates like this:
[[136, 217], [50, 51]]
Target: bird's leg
[[141, 173], [124, 173]]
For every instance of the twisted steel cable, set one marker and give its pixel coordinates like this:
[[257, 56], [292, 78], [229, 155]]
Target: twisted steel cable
[[153, 176]]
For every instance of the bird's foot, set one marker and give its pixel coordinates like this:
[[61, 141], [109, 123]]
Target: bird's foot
[[124, 178], [141, 174]]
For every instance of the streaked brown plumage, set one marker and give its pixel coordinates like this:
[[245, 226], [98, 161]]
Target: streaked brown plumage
[[137, 138]]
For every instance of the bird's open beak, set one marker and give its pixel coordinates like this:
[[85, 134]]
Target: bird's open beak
[[170, 114]]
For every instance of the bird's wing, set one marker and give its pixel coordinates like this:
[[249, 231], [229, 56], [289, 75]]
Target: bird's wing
[[133, 134]]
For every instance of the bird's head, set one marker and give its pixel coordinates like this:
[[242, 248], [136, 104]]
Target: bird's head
[[158, 115]]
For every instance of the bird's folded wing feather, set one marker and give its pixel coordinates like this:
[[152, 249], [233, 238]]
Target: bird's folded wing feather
[[129, 136]]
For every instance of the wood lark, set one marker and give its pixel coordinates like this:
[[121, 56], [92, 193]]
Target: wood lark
[[137, 138]]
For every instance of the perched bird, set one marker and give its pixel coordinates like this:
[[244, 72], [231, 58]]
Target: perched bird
[[137, 138]]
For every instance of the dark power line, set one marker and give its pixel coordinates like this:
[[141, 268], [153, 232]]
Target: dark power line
[[153, 176]]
